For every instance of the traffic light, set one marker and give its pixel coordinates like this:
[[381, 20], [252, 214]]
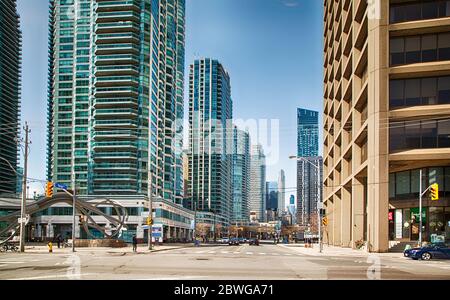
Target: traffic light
[[324, 221], [434, 190], [149, 221], [49, 189]]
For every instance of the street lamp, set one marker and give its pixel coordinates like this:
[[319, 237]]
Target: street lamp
[[319, 223]]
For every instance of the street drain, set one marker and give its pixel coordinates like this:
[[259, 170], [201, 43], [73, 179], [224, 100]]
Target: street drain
[[202, 259]]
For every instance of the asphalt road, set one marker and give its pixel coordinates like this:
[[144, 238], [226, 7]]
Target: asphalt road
[[262, 262]]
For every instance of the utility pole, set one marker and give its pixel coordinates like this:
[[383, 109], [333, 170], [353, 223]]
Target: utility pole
[[150, 214], [319, 207], [420, 208], [73, 215], [24, 191]]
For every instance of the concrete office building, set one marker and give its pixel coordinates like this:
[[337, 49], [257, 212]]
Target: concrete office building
[[116, 74], [210, 139], [386, 117], [257, 184], [10, 78], [241, 176]]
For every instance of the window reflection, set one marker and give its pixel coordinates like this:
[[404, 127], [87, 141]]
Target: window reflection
[[419, 91], [418, 134]]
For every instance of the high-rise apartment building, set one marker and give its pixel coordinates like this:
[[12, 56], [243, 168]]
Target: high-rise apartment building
[[386, 120], [307, 133], [10, 78], [210, 140], [281, 192], [115, 94], [307, 188], [241, 176], [309, 165], [258, 183]]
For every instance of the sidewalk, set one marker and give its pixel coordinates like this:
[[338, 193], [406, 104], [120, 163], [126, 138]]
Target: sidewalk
[[334, 251], [142, 249]]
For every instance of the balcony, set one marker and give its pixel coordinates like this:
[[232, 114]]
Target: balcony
[[110, 81], [126, 5], [115, 123], [115, 112], [117, 59], [115, 69], [118, 91], [127, 48]]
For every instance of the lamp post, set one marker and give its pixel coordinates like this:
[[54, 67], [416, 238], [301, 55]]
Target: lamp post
[[319, 223]]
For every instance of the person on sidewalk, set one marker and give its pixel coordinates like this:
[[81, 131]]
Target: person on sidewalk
[[58, 240], [134, 243]]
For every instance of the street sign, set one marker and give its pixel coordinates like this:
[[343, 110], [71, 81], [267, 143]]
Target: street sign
[[319, 205], [22, 220], [60, 186]]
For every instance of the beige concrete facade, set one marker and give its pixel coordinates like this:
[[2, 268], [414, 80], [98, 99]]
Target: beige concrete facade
[[357, 161]]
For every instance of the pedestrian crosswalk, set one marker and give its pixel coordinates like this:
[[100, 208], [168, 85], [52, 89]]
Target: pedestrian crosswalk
[[13, 261], [230, 252]]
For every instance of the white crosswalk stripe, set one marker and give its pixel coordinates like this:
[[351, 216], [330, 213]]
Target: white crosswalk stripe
[[249, 253]]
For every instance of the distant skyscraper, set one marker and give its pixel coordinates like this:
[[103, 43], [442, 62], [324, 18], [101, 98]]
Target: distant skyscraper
[[308, 148], [272, 195], [281, 192], [292, 210], [258, 182], [271, 200], [308, 133], [10, 78], [115, 91], [241, 176], [210, 139]]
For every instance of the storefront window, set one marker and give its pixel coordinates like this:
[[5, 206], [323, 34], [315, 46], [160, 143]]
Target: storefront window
[[437, 224], [406, 223]]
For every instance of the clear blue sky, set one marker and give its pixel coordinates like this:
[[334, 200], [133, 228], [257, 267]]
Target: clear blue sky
[[271, 48]]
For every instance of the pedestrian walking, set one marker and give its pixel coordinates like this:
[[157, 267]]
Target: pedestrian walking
[[134, 243], [58, 240]]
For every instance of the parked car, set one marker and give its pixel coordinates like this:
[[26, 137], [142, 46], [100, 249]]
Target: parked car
[[242, 240], [254, 242], [431, 251], [234, 242], [223, 240]]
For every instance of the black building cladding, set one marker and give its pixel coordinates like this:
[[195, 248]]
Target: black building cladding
[[10, 79]]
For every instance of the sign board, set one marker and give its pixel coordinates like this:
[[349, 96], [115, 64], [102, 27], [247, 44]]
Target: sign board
[[398, 223], [157, 231], [319, 205], [60, 186]]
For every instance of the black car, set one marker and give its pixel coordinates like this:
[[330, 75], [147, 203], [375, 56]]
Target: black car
[[254, 242], [438, 250], [234, 242]]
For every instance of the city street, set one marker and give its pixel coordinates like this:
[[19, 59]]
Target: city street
[[221, 262]]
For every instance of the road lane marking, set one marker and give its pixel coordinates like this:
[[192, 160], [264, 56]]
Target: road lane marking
[[224, 252], [249, 253], [211, 252], [262, 253], [53, 276]]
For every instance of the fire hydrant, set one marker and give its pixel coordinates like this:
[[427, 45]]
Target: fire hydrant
[[50, 247]]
